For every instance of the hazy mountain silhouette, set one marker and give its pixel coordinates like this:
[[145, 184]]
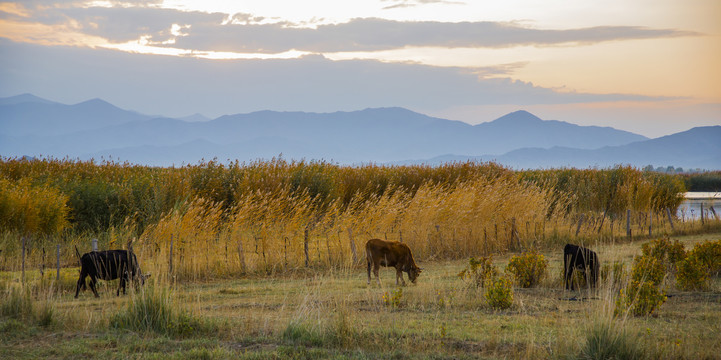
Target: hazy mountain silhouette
[[94, 129], [696, 148], [23, 98], [27, 115]]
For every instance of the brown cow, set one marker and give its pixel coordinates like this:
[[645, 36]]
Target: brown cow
[[391, 253]]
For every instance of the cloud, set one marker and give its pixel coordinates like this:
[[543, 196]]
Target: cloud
[[396, 4], [246, 33], [178, 86]]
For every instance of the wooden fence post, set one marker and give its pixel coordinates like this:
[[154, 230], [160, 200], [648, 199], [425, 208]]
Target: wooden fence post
[[57, 253], [603, 217], [580, 222], [42, 264], [628, 223], [241, 253], [650, 222], [670, 220], [514, 234], [701, 213], [305, 245], [23, 263], [285, 252], [352, 246], [485, 242], [495, 229], [170, 260]]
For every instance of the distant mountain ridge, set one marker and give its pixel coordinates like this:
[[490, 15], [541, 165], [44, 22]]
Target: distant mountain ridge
[[92, 129]]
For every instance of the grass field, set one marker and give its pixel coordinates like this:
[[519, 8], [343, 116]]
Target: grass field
[[334, 314]]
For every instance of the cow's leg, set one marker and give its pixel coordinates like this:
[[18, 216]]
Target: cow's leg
[[377, 267], [399, 275], [81, 283], [121, 284], [369, 271], [93, 280], [569, 276], [566, 271]]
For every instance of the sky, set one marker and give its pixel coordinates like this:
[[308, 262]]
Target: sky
[[646, 66]]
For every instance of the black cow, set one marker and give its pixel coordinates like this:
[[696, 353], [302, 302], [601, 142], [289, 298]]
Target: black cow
[[109, 265], [577, 258]]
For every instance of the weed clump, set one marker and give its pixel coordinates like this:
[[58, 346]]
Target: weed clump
[[18, 304], [603, 341], [153, 310], [394, 299], [614, 274], [528, 268]]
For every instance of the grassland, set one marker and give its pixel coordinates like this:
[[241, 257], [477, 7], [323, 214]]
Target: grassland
[[264, 260], [332, 313]]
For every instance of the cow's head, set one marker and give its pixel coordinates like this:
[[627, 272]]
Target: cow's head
[[139, 279], [143, 277], [413, 273]]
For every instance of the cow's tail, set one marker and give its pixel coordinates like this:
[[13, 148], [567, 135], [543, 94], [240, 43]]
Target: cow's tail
[[78, 255], [368, 262]]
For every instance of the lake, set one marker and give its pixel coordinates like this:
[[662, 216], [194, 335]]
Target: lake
[[691, 206]]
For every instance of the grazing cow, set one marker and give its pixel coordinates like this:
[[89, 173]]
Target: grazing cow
[[577, 258], [391, 253], [109, 265]]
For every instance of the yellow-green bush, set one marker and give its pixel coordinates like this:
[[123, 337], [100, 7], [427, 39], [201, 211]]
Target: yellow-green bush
[[703, 261], [499, 294], [647, 268], [692, 274], [643, 294], [528, 268], [479, 271], [709, 254], [663, 249], [640, 298]]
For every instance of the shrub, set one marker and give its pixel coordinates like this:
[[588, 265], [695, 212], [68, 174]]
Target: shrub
[[691, 274], [528, 268], [640, 298], [479, 271], [669, 253], [499, 294], [709, 254], [643, 294], [647, 268], [700, 264]]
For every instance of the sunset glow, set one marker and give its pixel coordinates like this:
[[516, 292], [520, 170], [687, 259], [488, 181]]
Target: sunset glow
[[666, 50]]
